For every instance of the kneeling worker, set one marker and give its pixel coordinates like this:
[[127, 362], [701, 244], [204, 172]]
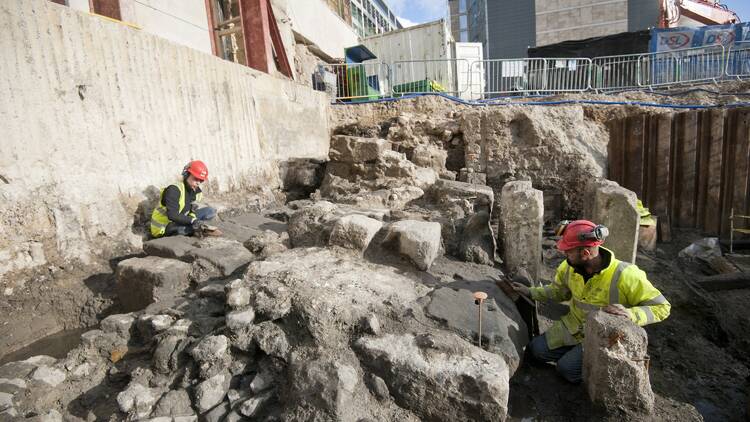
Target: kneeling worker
[[175, 214], [591, 278]]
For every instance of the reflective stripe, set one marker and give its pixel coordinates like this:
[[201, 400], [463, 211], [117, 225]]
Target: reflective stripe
[[548, 292], [586, 306], [658, 300], [614, 290], [159, 225], [650, 318]]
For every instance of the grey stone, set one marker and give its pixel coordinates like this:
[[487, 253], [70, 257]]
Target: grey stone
[[267, 336], [161, 322], [311, 226], [238, 295], [262, 381], [330, 385], [371, 325], [429, 156], [218, 413], [48, 375], [136, 400], [6, 401], [354, 231], [615, 367], [103, 343], [142, 281], [521, 221], [174, 403], [251, 406], [470, 197], [503, 330], [212, 355], [419, 240], [477, 242], [439, 377], [470, 176], [357, 150], [168, 353], [615, 207], [268, 243], [240, 320], [12, 386], [214, 290], [377, 387], [119, 324], [212, 391], [16, 369], [224, 256], [176, 247]]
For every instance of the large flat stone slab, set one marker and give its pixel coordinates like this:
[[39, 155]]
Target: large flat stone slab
[[176, 247], [503, 330], [354, 149]]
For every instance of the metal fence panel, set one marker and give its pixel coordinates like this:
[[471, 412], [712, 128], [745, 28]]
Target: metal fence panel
[[609, 73], [532, 76], [692, 65], [353, 82], [424, 76], [738, 61]]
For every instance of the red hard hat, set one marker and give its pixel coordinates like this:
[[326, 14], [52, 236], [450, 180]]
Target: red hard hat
[[571, 235], [198, 169]]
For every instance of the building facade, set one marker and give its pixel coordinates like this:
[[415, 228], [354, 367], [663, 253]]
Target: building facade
[[366, 17], [508, 29]]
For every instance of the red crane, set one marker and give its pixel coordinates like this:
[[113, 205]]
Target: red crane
[[676, 13]]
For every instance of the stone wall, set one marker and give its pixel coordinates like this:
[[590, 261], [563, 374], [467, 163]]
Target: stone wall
[[97, 115]]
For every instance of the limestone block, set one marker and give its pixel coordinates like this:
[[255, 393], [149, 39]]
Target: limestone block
[[521, 221], [119, 324], [142, 281], [429, 156], [419, 240], [470, 176], [615, 207], [439, 377], [174, 403], [354, 231], [48, 375], [354, 149], [222, 255], [251, 406], [477, 242], [309, 226], [212, 391], [176, 247], [136, 400], [615, 369], [475, 197]]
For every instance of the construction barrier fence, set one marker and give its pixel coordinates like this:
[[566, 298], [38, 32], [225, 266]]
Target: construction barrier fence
[[488, 79]]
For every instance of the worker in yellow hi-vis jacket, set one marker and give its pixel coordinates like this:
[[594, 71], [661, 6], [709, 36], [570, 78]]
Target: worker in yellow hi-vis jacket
[[591, 278]]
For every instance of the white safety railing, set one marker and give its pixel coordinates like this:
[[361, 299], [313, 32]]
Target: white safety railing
[[614, 73], [532, 76], [487, 79], [354, 82], [424, 76], [687, 66], [738, 61]]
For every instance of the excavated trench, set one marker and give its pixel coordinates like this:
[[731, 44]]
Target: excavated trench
[[288, 323]]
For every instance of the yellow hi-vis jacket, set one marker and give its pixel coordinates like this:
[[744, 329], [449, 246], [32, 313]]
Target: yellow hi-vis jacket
[[159, 218], [620, 282]]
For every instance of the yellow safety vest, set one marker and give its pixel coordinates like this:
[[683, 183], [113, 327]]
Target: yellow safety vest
[[159, 219], [619, 283]]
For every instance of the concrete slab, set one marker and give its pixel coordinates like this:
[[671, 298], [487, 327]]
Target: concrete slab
[[176, 247]]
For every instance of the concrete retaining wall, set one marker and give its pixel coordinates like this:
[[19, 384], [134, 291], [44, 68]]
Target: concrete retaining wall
[[92, 113]]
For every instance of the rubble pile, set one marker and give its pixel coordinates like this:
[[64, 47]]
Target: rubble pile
[[286, 327]]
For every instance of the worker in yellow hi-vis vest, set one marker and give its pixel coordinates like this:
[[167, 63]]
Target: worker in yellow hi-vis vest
[[591, 278], [177, 212]]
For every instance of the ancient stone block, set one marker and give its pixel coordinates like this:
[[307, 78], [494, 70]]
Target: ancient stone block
[[419, 240], [521, 221], [142, 281], [354, 231], [225, 256], [357, 150], [615, 207], [478, 197], [439, 377], [176, 247], [615, 364]]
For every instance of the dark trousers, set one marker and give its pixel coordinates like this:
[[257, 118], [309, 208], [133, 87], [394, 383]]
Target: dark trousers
[[569, 359], [177, 229]]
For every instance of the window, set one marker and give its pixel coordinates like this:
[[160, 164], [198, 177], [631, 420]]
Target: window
[[108, 8]]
